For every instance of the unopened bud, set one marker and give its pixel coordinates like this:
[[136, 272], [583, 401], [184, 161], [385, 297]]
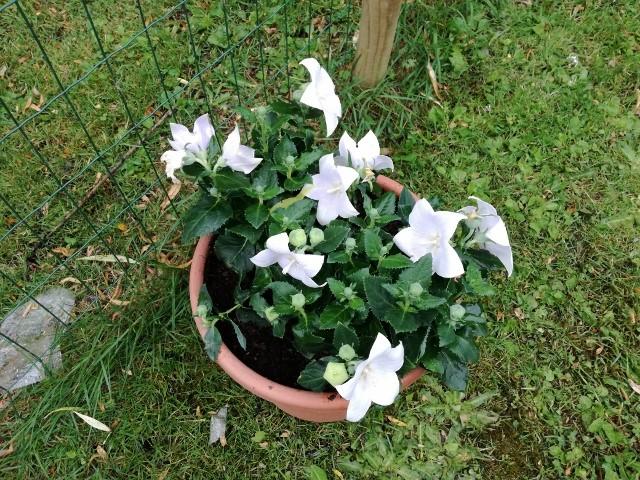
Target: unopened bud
[[373, 213], [348, 293], [316, 236], [347, 352], [415, 289], [298, 238], [457, 312], [350, 243], [202, 311], [289, 160], [298, 300], [271, 314], [259, 189], [335, 373]]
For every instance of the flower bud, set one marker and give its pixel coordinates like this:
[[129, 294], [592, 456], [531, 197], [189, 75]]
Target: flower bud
[[415, 289], [348, 293], [289, 160], [335, 373], [271, 314], [352, 365], [373, 213], [347, 352], [298, 238], [213, 191], [259, 189], [457, 312], [202, 311], [316, 236], [384, 250], [350, 243], [298, 300]]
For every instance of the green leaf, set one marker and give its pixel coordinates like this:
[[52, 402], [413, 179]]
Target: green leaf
[[420, 272], [284, 149], [306, 342], [345, 335], [282, 292], [239, 335], [474, 283], [446, 335], [338, 257], [332, 315], [402, 321], [386, 205], [395, 261], [256, 215], [455, 373], [336, 286], [384, 306], [205, 217], [295, 213], [258, 303], [405, 203], [204, 298], [465, 350], [235, 252], [212, 342], [415, 344], [246, 231], [226, 180], [334, 235], [287, 108], [428, 301], [311, 377], [307, 159], [372, 244], [315, 473]]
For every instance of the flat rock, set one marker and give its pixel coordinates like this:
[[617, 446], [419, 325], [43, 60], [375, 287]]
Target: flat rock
[[34, 326]]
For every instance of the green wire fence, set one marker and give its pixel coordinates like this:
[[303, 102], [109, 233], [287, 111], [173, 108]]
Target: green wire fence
[[87, 89]]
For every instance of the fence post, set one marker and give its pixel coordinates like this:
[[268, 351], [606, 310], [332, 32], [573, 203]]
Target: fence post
[[378, 24]]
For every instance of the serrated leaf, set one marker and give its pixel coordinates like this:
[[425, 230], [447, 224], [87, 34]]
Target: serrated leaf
[[306, 342], [395, 261], [405, 203], [296, 212], [205, 217], [386, 205], [455, 373], [258, 303], [464, 349], [284, 149], [345, 335], [338, 257], [384, 306], [446, 335], [226, 180], [474, 283], [332, 315], [336, 286], [212, 342], [420, 272], [239, 335], [312, 378], [246, 231], [256, 215], [235, 252], [372, 244], [334, 235]]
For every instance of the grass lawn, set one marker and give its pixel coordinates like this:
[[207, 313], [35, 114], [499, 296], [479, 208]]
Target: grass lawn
[[539, 113]]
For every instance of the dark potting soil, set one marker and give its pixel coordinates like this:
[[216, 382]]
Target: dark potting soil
[[272, 357]]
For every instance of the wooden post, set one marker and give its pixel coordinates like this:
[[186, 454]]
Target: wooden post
[[377, 29]]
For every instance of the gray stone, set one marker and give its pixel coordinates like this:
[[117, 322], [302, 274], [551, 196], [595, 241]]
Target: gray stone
[[34, 326]]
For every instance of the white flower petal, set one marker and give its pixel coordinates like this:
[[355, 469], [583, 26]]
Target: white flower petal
[[174, 161], [328, 209], [310, 97], [420, 216], [203, 131], [347, 175], [383, 387], [408, 240], [446, 261], [331, 119], [345, 207], [390, 360], [369, 146], [448, 222], [498, 233], [346, 145], [312, 65], [265, 258], [504, 254], [297, 272], [358, 404], [279, 243], [311, 264], [231, 144], [484, 208], [380, 346], [382, 162], [181, 136]]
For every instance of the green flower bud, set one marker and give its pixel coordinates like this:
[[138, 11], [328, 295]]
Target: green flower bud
[[261, 111], [415, 289], [271, 314], [348, 293], [316, 236], [384, 250], [335, 373], [202, 311], [347, 352], [350, 243], [351, 366], [259, 189], [298, 300], [289, 160], [213, 191], [298, 238], [373, 213], [457, 312]]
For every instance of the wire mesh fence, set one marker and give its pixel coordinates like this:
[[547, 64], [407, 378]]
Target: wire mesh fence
[[86, 91]]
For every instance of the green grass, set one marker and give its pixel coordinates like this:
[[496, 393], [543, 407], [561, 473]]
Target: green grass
[[552, 142]]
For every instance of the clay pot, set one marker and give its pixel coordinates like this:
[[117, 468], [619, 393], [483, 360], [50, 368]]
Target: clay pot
[[302, 404]]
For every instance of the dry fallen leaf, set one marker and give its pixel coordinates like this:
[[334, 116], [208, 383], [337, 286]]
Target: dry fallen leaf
[[119, 303], [263, 444], [285, 434], [66, 280], [218, 427], [65, 251], [101, 452], [599, 350], [518, 313], [171, 194], [395, 421], [338, 474], [634, 386], [92, 422], [434, 81], [29, 308], [109, 259], [636, 110], [5, 452]]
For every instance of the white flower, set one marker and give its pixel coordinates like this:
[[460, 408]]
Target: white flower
[[364, 156], [196, 141], [188, 147], [430, 232], [491, 232], [320, 94], [330, 190], [375, 379], [301, 266], [236, 156]]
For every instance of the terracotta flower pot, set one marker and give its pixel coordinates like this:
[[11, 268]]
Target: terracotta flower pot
[[302, 404]]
